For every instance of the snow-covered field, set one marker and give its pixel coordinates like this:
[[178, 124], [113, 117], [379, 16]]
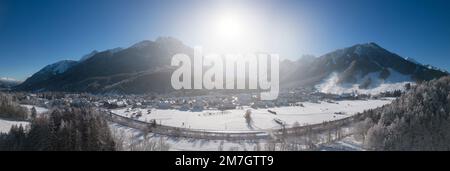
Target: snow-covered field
[[135, 137], [136, 140], [39, 110], [233, 120], [346, 144], [6, 125]]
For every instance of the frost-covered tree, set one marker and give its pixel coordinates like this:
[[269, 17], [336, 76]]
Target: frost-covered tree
[[68, 129], [33, 113], [10, 109], [418, 120]]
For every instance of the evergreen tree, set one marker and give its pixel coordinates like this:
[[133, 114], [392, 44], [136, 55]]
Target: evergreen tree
[[418, 120], [33, 113], [68, 129]]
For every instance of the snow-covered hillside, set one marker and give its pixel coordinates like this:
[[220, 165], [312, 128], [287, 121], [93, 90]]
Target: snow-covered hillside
[[89, 55], [60, 67], [39, 110], [7, 79], [368, 84], [93, 53], [6, 125], [233, 120]]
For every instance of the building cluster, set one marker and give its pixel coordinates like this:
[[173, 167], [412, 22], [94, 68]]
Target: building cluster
[[216, 101]]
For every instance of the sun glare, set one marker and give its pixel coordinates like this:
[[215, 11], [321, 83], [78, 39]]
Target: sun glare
[[234, 30], [229, 28]]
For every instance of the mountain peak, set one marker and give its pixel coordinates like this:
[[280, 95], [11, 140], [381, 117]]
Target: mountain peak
[[6, 82], [368, 45], [367, 49], [89, 55], [141, 44], [412, 60], [168, 40], [7, 79], [373, 44], [164, 41], [60, 66]]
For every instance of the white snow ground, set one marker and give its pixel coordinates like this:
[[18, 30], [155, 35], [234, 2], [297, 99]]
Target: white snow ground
[[39, 110], [134, 136], [234, 121], [6, 125], [346, 144]]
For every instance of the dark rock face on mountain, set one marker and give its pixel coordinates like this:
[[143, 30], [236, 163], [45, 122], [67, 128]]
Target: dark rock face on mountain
[[356, 62], [145, 67]]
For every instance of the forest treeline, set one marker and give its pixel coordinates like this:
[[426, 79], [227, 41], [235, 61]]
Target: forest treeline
[[10, 109], [418, 120], [67, 129]]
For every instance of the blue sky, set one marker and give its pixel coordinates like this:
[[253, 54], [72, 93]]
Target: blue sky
[[34, 33]]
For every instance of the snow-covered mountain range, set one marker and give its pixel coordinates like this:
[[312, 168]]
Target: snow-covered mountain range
[[364, 68], [145, 67]]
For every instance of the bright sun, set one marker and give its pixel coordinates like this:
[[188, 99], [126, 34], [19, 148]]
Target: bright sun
[[229, 28], [233, 30]]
